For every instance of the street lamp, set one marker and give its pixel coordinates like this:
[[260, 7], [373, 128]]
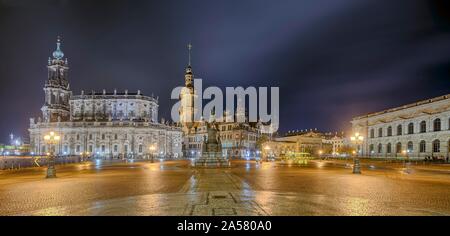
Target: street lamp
[[152, 150], [358, 140], [51, 139], [267, 148]]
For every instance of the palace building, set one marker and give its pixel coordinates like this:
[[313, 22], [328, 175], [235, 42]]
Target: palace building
[[417, 130], [238, 139], [104, 124]]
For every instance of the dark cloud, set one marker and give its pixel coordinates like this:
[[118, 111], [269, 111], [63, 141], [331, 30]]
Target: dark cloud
[[332, 59]]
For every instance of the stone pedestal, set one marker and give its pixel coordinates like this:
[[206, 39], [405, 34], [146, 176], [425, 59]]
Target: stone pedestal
[[356, 166], [51, 172], [212, 160]]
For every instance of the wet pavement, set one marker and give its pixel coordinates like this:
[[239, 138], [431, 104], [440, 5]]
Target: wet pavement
[[247, 188]]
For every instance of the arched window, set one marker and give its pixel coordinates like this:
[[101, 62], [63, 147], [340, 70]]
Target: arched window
[[372, 133], [389, 131], [437, 125], [423, 127], [380, 148], [436, 146], [380, 132], [422, 146], [398, 147], [399, 130], [410, 147], [410, 128], [388, 148]]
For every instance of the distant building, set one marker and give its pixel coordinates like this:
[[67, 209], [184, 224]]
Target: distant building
[[307, 142], [416, 130], [117, 124], [336, 141]]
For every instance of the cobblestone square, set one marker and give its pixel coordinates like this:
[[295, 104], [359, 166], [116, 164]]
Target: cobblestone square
[[247, 188]]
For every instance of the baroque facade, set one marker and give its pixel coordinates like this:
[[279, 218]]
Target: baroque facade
[[238, 139], [117, 124], [416, 130]]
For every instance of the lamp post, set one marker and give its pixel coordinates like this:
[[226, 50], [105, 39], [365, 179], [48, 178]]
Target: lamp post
[[358, 140], [51, 139], [267, 148], [152, 150]]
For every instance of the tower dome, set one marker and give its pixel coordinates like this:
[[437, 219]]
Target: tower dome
[[58, 54]]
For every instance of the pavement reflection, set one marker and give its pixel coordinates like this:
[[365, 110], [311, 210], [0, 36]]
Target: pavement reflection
[[247, 188]]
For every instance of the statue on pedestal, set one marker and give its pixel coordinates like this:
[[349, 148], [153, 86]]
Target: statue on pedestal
[[212, 156]]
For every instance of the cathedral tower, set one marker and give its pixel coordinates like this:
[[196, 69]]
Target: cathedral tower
[[56, 88], [187, 108]]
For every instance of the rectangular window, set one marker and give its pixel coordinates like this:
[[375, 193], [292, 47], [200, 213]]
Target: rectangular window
[[103, 148], [90, 148], [115, 148], [140, 148], [66, 149], [78, 148], [126, 148]]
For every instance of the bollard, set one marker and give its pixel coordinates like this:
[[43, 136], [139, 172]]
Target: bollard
[[356, 166]]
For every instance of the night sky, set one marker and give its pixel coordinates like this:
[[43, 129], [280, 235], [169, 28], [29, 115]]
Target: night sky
[[331, 59]]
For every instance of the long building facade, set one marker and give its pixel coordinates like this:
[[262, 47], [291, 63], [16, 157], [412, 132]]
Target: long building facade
[[106, 124], [417, 131]]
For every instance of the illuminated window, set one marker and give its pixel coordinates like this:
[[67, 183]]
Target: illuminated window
[[423, 127], [422, 146], [398, 147], [410, 128], [399, 130], [437, 125], [410, 146], [436, 146]]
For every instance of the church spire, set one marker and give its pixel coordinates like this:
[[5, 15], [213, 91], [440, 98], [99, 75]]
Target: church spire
[[189, 48], [188, 75], [58, 54]]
